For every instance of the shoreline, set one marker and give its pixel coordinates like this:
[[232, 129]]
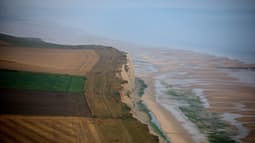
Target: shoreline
[[195, 72], [215, 54], [170, 126]]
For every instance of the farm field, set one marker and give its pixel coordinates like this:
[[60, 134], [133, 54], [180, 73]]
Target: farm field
[[50, 60], [68, 94], [61, 129], [28, 102], [41, 81], [27, 93]]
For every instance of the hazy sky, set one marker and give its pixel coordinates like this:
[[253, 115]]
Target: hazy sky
[[210, 25]]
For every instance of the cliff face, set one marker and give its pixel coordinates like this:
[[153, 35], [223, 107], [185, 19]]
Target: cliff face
[[128, 82], [129, 93]]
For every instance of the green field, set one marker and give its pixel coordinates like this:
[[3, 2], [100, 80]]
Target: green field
[[41, 81]]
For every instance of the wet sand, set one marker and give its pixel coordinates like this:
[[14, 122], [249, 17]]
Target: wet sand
[[227, 91], [167, 122]]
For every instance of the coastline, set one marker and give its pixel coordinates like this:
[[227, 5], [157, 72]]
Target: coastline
[[168, 123], [197, 72], [131, 95]]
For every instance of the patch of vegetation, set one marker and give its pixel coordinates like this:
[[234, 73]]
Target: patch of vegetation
[[157, 130], [142, 86], [155, 127], [173, 93], [220, 137], [207, 122], [142, 107], [41, 81]]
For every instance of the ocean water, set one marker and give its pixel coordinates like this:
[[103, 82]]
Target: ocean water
[[223, 28]]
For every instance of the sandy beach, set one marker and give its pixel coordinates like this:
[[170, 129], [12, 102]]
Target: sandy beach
[[221, 84], [167, 122]]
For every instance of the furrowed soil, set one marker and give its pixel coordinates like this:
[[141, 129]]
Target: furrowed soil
[[48, 129], [72, 61]]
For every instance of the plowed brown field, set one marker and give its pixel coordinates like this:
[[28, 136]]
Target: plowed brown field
[[49, 60], [27, 102], [48, 129]]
